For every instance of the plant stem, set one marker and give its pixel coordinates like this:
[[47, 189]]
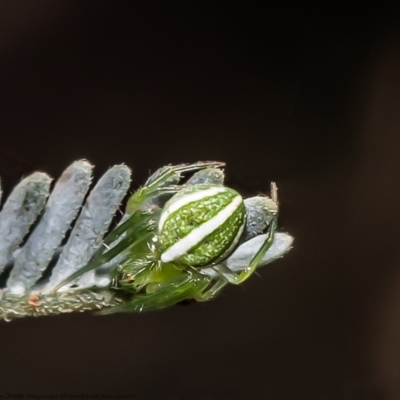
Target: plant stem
[[41, 304]]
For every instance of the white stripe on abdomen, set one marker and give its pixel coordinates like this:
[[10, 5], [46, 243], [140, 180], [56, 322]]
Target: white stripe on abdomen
[[180, 248], [186, 199]]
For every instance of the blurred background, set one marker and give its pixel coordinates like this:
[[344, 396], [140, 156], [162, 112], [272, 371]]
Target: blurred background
[[306, 95]]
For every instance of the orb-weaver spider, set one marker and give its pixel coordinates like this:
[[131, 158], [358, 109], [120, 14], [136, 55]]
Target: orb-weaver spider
[[185, 241]]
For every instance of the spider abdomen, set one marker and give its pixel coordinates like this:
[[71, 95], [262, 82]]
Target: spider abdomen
[[201, 224]]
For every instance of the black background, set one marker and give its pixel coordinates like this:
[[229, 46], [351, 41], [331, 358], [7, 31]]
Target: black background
[[303, 94]]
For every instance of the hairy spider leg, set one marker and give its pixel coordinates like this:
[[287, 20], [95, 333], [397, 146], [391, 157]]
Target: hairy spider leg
[[167, 178], [207, 176], [172, 173], [211, 292], [238, 278], [138, 227], [255, 262], [182, 287]]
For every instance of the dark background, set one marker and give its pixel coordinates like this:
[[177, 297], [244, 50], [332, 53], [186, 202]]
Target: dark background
[[306, 95]]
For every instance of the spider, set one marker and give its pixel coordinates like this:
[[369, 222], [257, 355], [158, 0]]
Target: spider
[[182, 241]]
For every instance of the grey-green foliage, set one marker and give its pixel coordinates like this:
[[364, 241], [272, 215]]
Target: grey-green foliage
[[27, 205], [19, 213]]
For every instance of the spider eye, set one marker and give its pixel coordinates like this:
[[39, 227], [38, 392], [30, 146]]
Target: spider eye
[[201, 224]]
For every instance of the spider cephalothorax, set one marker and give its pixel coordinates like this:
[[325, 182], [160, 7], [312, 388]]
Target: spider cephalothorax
[[184, 241]]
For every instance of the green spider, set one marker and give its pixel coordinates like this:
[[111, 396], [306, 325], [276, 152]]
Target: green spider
[[181, 241]]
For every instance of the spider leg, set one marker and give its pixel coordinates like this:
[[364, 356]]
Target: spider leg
[[255, 262], [211, 292], [138, 229], [238, 278], [235, 278], [164, 177], [129, 226], [207, 176], [172, 173], [183, 287]]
